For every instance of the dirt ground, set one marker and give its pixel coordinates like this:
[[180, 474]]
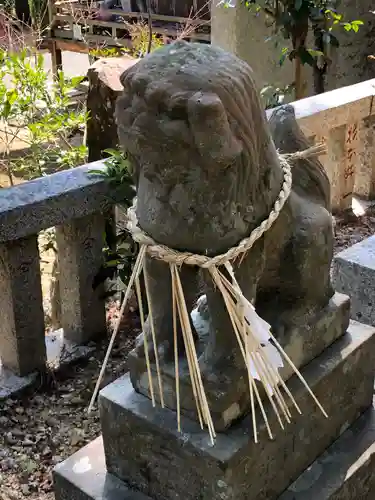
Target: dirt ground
[[50, 422]]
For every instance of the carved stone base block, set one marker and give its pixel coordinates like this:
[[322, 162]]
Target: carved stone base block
[[345, 471], [143, 447], [83, 476], [228, 399], [354, 273]]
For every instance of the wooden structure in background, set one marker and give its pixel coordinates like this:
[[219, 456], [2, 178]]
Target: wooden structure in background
[[73, 26]]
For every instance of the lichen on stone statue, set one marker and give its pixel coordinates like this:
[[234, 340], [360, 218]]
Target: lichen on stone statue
[[207, 172]]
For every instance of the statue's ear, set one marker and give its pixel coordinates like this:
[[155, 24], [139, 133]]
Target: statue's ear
[[211, 130], [285, 130], [309, 174]]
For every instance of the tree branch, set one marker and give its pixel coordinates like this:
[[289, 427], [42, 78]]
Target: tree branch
[[149, 26]]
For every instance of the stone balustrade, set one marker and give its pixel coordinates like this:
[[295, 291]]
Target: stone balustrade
[[75, 203], [345, 120]]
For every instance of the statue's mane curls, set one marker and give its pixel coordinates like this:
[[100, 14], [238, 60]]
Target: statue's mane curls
[[206, 100]]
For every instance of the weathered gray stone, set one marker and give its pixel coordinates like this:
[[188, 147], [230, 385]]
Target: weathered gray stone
[[242, 33], [345, 471], [104, 88], [83, 477], [49, 201], [60, 352], [80, 244], [22, 347], [207, 172], [11, 384], [302, 344], [141, 442], [354, 274]]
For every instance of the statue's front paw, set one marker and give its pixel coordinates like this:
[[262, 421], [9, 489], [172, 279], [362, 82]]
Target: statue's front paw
[[144, 343]]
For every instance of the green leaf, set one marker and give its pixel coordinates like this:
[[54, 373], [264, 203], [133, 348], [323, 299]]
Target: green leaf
[[305, 56], [12, 96], [40, 61], [102, 173], [6, 110], [113, 152], [284, 55], [315, 53], [76, 80], [334, 15], [113, 263]]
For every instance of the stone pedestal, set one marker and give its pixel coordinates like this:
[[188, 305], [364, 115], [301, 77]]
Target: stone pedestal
[[354, 274], [146, 458]]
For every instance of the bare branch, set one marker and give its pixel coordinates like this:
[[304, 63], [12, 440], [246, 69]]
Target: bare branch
[[150, 34]]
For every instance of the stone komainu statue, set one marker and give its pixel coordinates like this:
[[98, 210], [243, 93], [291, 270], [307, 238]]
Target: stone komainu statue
[[207, 172]]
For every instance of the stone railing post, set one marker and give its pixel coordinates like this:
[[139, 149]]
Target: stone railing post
[[351, 164], [22, 346], [342, 162], [365, 175], [80, 243]]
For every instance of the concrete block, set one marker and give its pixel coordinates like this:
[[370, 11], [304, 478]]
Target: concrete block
[[345, 471], [83, 476], [354, 274], [142, 443]]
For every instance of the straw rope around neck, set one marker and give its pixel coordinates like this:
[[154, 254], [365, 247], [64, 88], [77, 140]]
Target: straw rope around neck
[[170, 256], [253, 334]]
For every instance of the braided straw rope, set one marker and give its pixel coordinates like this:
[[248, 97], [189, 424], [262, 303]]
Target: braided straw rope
[[170, 256]]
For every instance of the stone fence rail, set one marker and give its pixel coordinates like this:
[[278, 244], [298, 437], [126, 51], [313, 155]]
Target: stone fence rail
[[345, 120], [76, 203]]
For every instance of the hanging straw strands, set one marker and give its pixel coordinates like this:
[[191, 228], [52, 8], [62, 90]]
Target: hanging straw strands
[[263, 356], [203, 410]]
